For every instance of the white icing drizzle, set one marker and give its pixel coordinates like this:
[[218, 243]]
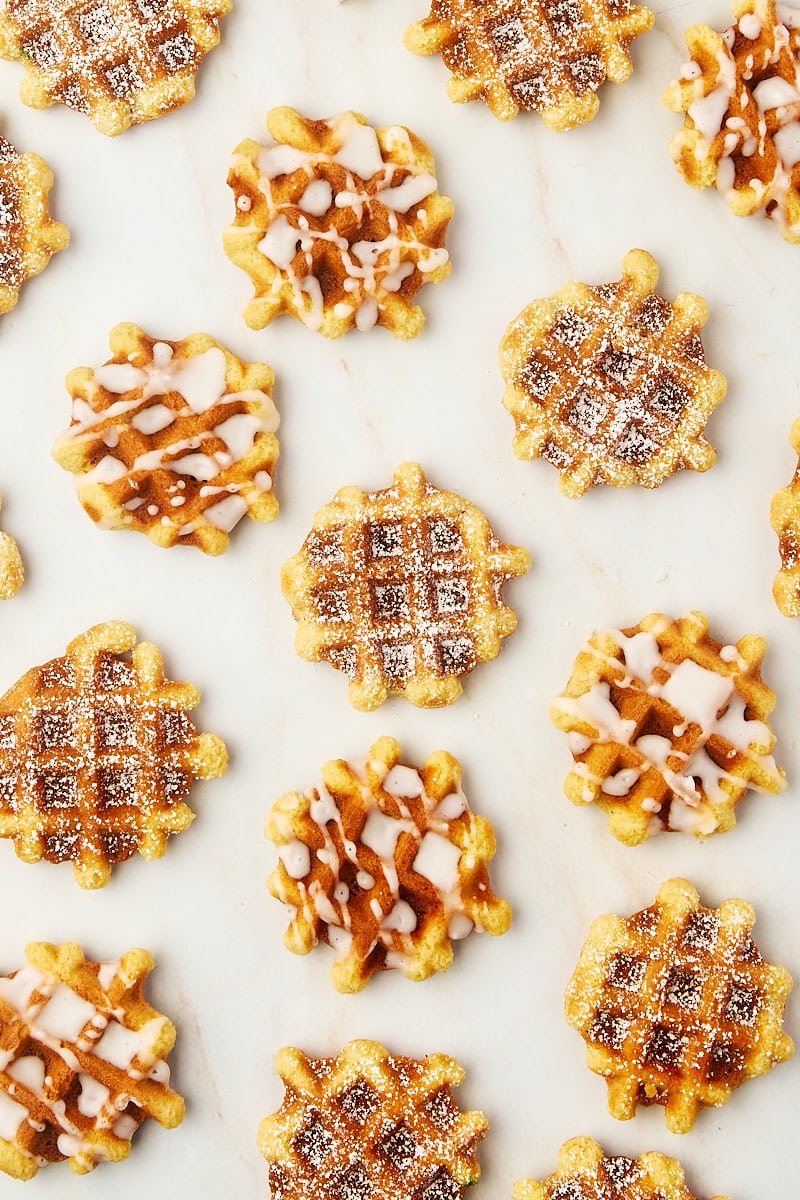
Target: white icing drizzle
[[437, 859], [68, 1025], [373, 268], [201, 384], [707, 700], [772, 94], [296, 858]]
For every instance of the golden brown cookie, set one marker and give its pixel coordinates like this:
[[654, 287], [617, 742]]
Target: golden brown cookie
[[172, 439], [676, 1005], [29, 237], [402, 590], [610, 383], [12, 572], [786, 523], [586, 1173], [98, 755], [120, 62], [669, 729], [337, 223], [369, 1123], [82, 1060], [387, 864], [740, 92], [545, 56]]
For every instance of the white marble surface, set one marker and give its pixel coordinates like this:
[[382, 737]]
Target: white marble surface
[[533, 208]]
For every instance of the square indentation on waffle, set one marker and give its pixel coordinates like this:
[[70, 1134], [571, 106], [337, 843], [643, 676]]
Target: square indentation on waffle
[[401, 589], [677, 1005]]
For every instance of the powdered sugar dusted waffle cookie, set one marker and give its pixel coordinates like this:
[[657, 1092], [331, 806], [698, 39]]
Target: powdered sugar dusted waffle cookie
[[402, 590], [337, 223], [610, 383], [82, 1060], [368, 1123], [173, 439], [385, 863], [29, 237], [12, 572], [98, 755], [676, 1005], [786, 523], [545, 56], [585, 1172], [740, 92], [669, 729], [120, 62]]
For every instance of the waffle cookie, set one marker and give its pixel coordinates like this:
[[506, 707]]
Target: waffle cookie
[[610, 383], [386, 864], [370, 1124], [545, 56], [98, 755], [402, 590], [676, 1005], [337, 223], [29, 237], [12, 572], [120, 62], [586, 1173], [668, 728], [740, 92], [82, 1060], [173, 439], [786, 523]]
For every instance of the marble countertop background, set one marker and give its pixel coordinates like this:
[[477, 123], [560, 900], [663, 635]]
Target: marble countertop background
[[533, 209]]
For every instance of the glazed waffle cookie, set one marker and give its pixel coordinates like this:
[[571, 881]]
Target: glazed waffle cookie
[[668, 728], [676, 1005], [82, 1060], [586, 1173], [369, 1123], [548, 56], [402, 590], [385, 863], [120, 62], [98, 755], [173, 439], [12, 572], [740, 92], [610, 384], [786, 523], [337, 223], [29, 237]]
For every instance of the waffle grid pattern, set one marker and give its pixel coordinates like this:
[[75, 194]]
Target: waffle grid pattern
[[59, 1018], [586, 1173], [118, 61], [328, 901], [28, 235], [548, 57], [97, 756], [677, 1006], [370, 1124], [401, 590], [610, 384]]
